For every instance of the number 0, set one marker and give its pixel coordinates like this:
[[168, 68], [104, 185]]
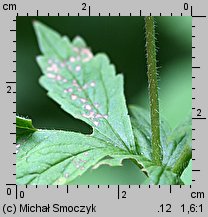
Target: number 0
[[185, 6]]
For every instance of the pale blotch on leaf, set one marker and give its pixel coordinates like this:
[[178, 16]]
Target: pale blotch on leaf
[[60, 181], [75, 90], [73, 97], [17, 148], [78, 68], [66, 175]]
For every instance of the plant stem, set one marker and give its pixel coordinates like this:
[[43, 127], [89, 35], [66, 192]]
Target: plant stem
[[153, 89]]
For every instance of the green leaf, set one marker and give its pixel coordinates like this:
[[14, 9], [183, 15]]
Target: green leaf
[[140, 119], [180, 146], [176, 146], [24, 126], [157, 175], [186, 176], [51, 43], [116, 160], [85, 86], [160, 176], [88, 88], [58, 157]]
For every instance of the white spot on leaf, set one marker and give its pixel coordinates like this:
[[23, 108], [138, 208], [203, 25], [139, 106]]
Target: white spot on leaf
[[53, 68], [73, 97], [98, 116], [69, 90], [85, 86], [96, 123], [78, 68], [105, 116], [91, 115], [66, 175], [72, 59], [88, 55], [49, 75], [74, 82], [92, 84], [58, 78], [88, 107], [83, 100], [17, 148], [62, 64], [96, 105]]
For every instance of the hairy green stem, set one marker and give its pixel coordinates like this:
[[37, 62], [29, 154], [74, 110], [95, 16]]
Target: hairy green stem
[[153, 89]]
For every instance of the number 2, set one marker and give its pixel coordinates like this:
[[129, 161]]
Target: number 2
[[84, 6]]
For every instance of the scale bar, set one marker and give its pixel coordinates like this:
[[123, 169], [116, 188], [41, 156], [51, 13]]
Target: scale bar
[[199, 118]]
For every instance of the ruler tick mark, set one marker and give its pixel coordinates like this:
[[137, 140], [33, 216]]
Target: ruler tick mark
[[199, 118], [10, 82], [199, 16]]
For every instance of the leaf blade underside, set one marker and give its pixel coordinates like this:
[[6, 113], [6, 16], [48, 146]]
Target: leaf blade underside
[[85, 86], [58, 157]]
